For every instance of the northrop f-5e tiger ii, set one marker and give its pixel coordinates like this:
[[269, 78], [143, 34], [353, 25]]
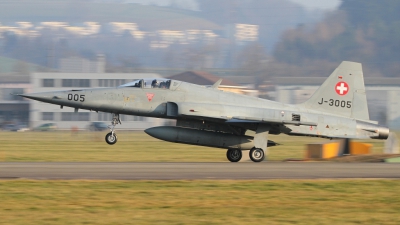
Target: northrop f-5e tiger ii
[[211, 117]]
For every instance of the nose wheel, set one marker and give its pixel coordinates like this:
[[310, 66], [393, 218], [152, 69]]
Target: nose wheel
[[111, 138]]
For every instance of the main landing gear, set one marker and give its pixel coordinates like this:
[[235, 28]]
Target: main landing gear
[[111, 138], [255, 154], [234, 155]]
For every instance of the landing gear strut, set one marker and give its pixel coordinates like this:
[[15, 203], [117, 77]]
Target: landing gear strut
[[234, 155], [111, 138], [257, 154]]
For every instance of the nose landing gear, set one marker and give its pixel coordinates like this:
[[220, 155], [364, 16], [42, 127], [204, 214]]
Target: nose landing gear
[[111, 138]]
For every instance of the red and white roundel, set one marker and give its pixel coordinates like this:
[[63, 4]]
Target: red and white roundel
[[342, 88]]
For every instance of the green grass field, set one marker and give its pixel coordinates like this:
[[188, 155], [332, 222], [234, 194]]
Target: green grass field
[[131, 147], [180, 202], [200, 202]]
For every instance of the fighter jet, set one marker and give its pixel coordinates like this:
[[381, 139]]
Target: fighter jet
[[207, 116]]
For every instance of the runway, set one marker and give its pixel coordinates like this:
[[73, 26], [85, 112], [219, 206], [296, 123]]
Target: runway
[[185, 171]]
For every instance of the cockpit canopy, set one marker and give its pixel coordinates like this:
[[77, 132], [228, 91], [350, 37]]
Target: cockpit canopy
[[149, 83]]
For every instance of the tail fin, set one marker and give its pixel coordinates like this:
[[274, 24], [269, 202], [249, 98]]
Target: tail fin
[[343, 93]]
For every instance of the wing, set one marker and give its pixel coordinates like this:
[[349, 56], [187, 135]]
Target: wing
[[262, 120], [214, 112]]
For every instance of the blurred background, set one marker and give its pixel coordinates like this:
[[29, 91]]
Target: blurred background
[[275, 49]]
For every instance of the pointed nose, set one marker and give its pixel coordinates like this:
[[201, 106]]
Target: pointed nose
[[43, 97], [36, 96]]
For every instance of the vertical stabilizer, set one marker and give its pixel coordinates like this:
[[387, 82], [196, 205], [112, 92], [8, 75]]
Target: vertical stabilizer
[[343, 93]]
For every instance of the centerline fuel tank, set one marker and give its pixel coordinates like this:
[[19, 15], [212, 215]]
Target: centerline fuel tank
[[203, 138]]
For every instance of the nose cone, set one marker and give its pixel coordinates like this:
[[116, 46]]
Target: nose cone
[[49, 97]]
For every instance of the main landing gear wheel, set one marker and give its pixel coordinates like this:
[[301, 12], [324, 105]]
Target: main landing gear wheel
[[257, 154], [234, 155], [111, 138]]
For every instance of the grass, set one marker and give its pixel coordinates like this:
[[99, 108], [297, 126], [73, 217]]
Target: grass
[[200, 202], [131, 147], [180, 202]]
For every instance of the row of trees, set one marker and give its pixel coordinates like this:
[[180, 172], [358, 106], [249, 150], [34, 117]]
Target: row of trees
[[365, 31]]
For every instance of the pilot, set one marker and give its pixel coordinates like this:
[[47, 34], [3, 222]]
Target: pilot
[[162, 84], [154, 83], [168, 83]]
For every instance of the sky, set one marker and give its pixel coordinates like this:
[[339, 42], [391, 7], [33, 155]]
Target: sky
[[309, 4], [320, 4]]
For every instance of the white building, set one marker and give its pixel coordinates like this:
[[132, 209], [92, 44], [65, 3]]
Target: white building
[[172, 36], [66, 118], [54, 25], [23, 29], [207, 36], [121, 27], [89, 28], [82, 65], [246, 32]]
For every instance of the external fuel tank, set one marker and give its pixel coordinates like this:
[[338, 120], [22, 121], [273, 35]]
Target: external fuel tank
[[202, 137]]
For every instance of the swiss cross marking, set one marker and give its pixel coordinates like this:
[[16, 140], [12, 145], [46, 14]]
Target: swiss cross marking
[[149, 96], [342, 88]]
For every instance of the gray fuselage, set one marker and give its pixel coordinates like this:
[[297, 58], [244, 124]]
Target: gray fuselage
[[184, 100]]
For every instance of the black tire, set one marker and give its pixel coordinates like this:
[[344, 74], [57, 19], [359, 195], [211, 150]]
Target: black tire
[[257, 155], [234, 155], [111, 138]]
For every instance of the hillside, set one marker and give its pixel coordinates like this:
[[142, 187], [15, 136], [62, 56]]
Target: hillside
[[365, 31], [147, 17], [8, 65]]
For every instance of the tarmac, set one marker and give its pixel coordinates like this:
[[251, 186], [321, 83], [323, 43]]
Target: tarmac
[[190, 171]]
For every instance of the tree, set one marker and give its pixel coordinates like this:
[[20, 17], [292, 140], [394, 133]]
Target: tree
[[253, 60], [362, 13], [365, 31]]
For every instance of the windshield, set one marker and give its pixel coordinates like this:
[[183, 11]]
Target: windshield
[[149, 83]]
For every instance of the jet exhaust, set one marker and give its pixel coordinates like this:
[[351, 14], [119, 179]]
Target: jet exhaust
[[374, 131], [383, 133]]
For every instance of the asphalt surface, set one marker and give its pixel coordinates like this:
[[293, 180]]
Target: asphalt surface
[[183, 171]]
